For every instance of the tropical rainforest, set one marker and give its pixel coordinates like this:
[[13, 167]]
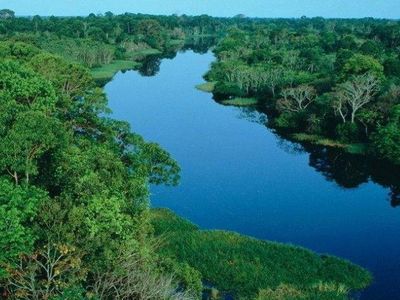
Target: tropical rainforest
[[76, 221], [329, 82]]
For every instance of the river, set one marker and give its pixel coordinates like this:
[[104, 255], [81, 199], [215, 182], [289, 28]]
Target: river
[[239, 175]]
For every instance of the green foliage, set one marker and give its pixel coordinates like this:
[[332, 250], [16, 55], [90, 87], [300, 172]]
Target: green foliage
[[19, 207], [349, 69], [242, 265], [321, 141], [164, 220], [28, 128], [321, 291], [392, 66], [207, 87], [241, 101], [106, 72], [69, 78], [17, 50], [347, 132], [71, 178], [79, 179], [188, 278], [74, 293], [386, 141], [7, 14], [371, 48], [227, 89], [360, 64]]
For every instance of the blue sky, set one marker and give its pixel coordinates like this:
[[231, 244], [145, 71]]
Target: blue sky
[[225, 8]]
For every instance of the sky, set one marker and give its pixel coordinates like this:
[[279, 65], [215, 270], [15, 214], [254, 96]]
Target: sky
[[223, 8]]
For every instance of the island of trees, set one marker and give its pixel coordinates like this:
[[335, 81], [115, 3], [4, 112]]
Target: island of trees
[[75, 211]]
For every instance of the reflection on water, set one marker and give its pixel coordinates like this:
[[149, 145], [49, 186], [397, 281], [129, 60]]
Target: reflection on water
[[345, 169], [151, 63]]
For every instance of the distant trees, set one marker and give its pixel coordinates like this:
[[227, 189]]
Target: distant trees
[[7, 14]]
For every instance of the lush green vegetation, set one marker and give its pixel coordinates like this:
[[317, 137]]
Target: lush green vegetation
[[335, 79], [245, 266], [74, 188], [240, 101], [207, 87], [106, 72], [74, 183]]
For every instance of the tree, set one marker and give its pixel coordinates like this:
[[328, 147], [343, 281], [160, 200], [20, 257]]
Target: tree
[[355, 94], [273, 78], [7, 14], [27, 128], [70, 79], [386, 140], [360, 64], [31, 135], [392, 66], [296, 99], [372, 48], [19, 207]]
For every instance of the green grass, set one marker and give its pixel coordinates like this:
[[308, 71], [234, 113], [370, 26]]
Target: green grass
[[240, 101], [320, 291], [207, 87], [106, 72], [359, 148], [243, 266], [318, 140]]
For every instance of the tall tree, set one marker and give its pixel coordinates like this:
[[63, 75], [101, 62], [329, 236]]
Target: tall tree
[[355, 93]]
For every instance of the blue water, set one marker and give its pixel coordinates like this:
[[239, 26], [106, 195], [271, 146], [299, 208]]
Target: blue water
[[239, 175]]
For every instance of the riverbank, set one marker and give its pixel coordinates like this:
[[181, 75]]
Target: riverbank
[[317, 140], [352, 148], [105, 73], [247, 267]]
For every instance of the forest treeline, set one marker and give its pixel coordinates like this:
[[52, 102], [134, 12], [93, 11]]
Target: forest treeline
[[74, 183], [330, 82], [99, 39]]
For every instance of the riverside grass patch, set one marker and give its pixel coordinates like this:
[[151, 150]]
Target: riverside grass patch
[[108, 71], [240, 101], [354, 148], [244, 266], [207, 87]]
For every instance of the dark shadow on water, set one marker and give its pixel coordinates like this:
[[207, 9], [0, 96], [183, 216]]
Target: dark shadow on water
[[348, 171]]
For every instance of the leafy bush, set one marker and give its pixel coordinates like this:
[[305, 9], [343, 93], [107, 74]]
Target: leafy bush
[[348, 132]]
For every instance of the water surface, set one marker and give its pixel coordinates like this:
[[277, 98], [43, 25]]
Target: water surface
[[238, 175]]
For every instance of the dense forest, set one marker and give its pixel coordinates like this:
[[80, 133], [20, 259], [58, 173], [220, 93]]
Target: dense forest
[[74, 198], [330, 82]]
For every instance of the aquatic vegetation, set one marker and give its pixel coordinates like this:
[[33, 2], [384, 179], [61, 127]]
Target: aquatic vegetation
[[207, 87], [240, 101], [243, 265]]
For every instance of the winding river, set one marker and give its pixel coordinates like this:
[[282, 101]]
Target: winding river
[[239, 175]]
